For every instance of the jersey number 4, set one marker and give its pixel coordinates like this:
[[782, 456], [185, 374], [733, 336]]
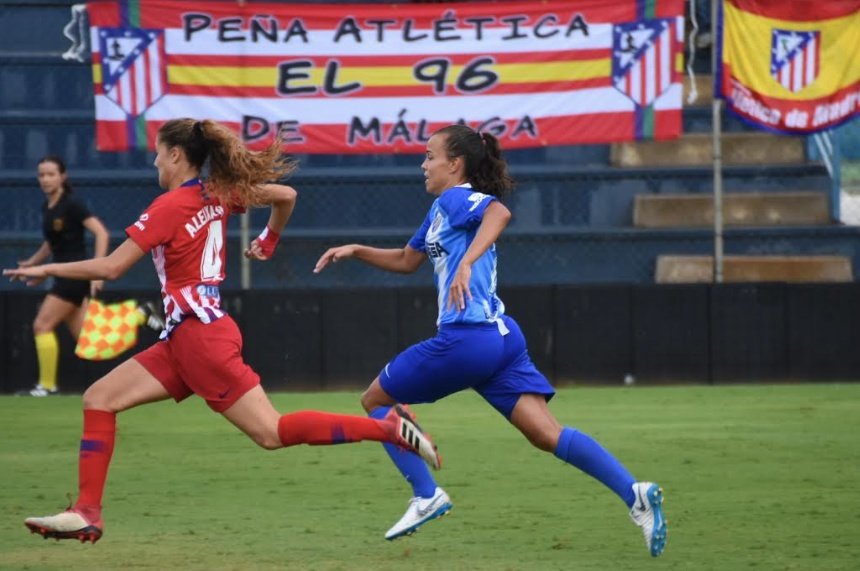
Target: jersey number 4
[[210, 265]]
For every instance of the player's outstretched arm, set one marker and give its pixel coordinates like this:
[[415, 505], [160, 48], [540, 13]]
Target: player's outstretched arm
[[404, 260], [282, 200], [108, 268]]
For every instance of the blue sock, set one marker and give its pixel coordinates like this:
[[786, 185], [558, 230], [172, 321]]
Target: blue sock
[[580, 450], [413, 468]]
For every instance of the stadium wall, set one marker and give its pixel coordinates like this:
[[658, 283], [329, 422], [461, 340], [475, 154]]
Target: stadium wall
[[592, 334]]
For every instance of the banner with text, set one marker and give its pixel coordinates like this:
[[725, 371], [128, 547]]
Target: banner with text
[[380, 78], [791, 67]]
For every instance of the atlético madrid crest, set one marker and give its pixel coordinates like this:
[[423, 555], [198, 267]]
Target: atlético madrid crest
[[795, 58], [133, 66], [642, 59]]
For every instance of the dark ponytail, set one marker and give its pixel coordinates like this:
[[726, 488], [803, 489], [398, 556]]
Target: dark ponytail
[[61, 166], [485, 167]]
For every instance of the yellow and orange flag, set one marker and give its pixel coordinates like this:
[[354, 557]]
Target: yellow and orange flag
[[108, 330]]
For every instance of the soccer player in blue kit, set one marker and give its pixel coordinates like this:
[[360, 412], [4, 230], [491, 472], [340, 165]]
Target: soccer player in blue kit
[[465, 170]]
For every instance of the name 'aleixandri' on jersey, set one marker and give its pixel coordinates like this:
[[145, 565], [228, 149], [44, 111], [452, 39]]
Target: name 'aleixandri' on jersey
[[445, 235], [185, 229], [205, 215]]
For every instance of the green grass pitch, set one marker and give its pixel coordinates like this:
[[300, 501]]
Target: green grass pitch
[[756, 477]]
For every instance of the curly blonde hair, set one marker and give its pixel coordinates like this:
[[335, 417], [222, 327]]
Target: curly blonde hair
[[235, 173]]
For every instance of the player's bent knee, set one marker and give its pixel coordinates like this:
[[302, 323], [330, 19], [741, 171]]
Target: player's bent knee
[[370, 401], [103, 396], [94, 398], [367, 402], [543, 440], [267, 440], [40, 327], [374, 397]]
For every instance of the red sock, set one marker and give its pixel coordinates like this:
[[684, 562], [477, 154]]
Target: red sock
[[96, 451], [318, 428]]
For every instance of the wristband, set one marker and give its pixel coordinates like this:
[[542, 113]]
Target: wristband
[[268, 241]]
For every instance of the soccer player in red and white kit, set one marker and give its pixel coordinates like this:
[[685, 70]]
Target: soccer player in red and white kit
[[200, 349]]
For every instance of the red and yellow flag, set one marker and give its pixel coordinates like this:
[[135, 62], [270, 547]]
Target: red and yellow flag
[[792, 67]]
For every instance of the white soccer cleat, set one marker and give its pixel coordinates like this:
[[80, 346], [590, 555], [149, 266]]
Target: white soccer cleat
[[37, 391], [647, 513], [411, 436], [419, 512], [65, 525]]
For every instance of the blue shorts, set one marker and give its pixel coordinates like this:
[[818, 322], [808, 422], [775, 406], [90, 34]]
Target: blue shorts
[[473, 356]]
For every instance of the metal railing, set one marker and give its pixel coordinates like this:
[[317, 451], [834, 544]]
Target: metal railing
[[827, 144]]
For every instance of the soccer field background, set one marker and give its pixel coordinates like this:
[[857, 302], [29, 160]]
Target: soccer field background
[[756, 477]]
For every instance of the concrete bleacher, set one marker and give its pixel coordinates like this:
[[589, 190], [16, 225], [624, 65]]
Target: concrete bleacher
[[696, 149], [748, 206], [797, 208], [806, 269], [576, 211]]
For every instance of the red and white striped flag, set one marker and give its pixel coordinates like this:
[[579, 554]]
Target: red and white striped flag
[[642, 59], [796, 58], [381, 78], [134, 76]]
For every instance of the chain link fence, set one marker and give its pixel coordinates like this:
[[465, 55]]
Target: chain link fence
[[571, 224]]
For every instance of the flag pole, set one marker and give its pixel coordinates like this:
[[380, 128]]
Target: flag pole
[[244, 241], [716, 45]]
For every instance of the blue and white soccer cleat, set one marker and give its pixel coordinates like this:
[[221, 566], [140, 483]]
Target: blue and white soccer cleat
[[419, 512], [647, 513]]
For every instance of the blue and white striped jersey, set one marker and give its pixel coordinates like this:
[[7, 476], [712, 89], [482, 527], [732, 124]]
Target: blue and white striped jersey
[[447, 231]]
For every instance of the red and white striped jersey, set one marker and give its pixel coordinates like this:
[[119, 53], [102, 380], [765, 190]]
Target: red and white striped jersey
[[186, 232]]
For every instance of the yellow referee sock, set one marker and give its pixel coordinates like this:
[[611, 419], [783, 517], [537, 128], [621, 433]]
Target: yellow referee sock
[[48, 352]]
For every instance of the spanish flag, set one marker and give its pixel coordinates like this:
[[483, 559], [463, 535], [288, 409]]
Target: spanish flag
[[790, 67]]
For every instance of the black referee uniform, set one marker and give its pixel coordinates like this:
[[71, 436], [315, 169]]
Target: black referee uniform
[[63, 227]]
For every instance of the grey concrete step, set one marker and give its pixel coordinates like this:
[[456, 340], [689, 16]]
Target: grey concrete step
[[739, 209], [745, 148], [700, 269]]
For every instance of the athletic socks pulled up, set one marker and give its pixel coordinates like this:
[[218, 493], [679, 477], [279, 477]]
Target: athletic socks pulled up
[[582, 451], [411, 466], [97, 445]]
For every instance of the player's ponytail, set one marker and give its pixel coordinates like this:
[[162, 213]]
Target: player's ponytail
[[485, 167], [61, 166], [235, 173], [492, 170]]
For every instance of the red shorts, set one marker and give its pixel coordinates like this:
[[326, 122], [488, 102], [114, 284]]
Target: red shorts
[[203, 359]]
